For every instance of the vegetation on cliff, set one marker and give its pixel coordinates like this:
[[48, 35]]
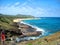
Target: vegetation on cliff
[[47, 40], [6, 21]]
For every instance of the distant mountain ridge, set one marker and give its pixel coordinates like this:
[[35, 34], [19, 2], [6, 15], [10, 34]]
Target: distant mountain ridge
[[7, 20]]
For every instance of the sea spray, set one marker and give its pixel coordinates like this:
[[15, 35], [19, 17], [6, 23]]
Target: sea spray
[[37, 29], [48, 25]]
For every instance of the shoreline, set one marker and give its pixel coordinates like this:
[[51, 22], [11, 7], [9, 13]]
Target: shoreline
[[37, 29], [28, 29], [21, 19], [51, 39]]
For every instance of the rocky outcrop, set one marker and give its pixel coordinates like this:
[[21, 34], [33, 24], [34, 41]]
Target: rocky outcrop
[[21, 30], [32, 34], [28, 30]]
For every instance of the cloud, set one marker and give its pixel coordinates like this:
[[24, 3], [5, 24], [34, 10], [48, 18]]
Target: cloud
[[22, 9], [27, 10], [17, 3]]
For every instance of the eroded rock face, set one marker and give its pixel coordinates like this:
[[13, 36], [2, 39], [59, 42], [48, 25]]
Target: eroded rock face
[[32, 34], [22, 31], [28, 30]]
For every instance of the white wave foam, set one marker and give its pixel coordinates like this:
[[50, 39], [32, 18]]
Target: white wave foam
[[37, 28]]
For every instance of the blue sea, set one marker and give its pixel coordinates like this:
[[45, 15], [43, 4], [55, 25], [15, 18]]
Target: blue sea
[[48, 25]]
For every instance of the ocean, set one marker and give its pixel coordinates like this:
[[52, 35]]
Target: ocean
[[48, 25]]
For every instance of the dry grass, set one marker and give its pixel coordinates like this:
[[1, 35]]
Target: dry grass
[[53, 40], [41, 41]]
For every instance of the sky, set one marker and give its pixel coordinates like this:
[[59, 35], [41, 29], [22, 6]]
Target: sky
[[37, 8]]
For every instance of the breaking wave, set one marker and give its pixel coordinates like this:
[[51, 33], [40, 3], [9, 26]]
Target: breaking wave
[[37, 28]]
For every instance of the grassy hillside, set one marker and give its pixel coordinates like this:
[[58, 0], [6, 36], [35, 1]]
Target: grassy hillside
[[6, 21], [53, 39]]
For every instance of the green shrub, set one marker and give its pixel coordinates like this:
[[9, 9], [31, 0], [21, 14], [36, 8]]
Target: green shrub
[[29, 44]]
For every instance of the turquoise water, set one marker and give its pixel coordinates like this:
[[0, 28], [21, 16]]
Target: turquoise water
[[49, 25]]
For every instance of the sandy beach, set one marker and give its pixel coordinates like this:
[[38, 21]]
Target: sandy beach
[[21, 19]]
